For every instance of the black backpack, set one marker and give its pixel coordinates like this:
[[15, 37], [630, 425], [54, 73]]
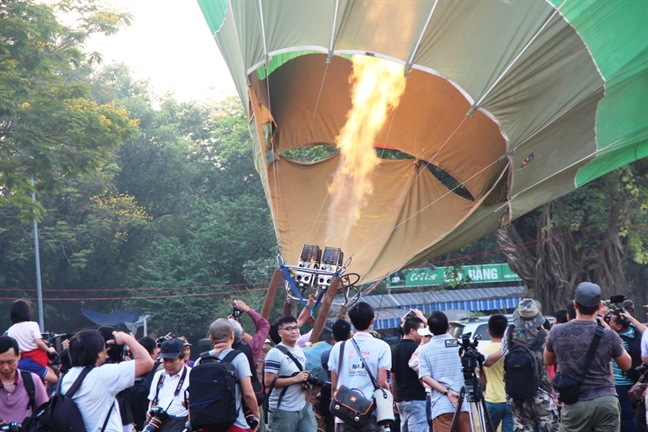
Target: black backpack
[[60, 413], [28, 382], [257, 385], [212, 392], [138, 397], [634, 344], [521, 374]]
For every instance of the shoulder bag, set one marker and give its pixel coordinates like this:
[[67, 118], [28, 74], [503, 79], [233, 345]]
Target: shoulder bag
[[568, 389], [349, 405]]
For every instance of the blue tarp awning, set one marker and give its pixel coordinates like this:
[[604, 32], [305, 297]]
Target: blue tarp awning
[[111, 319]]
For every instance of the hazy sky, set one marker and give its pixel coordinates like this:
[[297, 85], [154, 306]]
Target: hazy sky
[[170, 44]]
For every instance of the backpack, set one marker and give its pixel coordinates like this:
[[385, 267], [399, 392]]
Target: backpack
[[257, 385], [28, 382], [634, 344], [60, 413], [521, 374], [212, 392], [138, 396]]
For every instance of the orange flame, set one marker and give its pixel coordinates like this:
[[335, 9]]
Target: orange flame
[[377, 88]]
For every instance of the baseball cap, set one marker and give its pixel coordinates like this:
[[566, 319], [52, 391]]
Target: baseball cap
[[171, 348], [425, 331], [184, 340], [588, 294]]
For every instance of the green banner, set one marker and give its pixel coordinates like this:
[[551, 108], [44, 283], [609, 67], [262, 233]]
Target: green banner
[[424, 276]]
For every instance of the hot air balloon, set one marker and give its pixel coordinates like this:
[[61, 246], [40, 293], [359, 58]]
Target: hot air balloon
[[507, 105]]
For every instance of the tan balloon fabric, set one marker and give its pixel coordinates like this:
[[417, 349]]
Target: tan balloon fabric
[[532, 76]]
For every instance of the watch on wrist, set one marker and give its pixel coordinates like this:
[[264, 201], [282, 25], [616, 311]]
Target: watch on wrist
[[445, 393]]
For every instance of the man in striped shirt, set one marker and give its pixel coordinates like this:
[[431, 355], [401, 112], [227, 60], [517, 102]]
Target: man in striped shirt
[[440, 368]]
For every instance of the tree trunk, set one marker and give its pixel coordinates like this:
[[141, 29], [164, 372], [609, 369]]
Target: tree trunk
[[551, 265]]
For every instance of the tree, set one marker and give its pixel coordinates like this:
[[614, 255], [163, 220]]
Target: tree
[[50, 128], [592, 234]]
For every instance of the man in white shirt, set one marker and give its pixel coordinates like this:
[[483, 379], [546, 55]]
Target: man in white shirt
[[285, 367], [377, 355], [95, 398], [168, 386]]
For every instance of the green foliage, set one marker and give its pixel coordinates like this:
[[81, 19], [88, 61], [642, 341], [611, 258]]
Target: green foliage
[[50, 127]]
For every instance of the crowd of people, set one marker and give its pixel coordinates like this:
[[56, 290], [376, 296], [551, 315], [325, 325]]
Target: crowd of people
[[576, 374]]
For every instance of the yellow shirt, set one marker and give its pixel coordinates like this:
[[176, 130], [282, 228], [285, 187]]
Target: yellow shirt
[[495, 376]]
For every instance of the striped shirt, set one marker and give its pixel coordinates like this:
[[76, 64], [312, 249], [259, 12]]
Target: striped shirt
[[440, 360]]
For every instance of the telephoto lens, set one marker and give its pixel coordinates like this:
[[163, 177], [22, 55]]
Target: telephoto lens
[[158, 416]]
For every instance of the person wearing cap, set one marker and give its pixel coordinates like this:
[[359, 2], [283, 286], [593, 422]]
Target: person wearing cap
[[440, 368], [186, 346], [409, 393], [168, 386], [597, 408], [539, 412]]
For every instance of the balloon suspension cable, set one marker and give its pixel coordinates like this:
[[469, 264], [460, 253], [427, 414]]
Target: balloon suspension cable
[[280, 259]]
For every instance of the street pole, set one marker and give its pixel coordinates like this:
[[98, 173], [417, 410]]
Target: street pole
[[39, 288]]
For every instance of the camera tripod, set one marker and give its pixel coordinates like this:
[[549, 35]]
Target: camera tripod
[[473, 390]]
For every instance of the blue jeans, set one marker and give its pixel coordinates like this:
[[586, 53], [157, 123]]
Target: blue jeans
[[412, 414], [500, 412], [627, 416]]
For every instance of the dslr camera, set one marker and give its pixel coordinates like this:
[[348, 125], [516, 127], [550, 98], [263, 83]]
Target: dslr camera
[[158, 415], [310, 381]]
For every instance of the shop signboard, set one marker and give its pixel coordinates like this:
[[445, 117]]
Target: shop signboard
[[431, 276]]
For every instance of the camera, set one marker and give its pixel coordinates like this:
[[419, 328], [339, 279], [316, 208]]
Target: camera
[[310, 381], [470, 359], [11, 427], [161, 339], [251, 420], [408, 315], [236, 313], [158, 415]]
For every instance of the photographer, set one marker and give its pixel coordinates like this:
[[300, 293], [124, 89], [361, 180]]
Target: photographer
[[620, 322], [440, 368], [96, 396], [539, 411], [285, 379], [597, 406], [117, 354], [168, 387], [252, 345]]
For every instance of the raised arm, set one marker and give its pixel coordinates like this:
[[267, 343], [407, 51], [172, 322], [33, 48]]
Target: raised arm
[[141, 357]]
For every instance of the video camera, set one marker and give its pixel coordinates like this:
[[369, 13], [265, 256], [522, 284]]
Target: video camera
[[470, 357], [470, 360]]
